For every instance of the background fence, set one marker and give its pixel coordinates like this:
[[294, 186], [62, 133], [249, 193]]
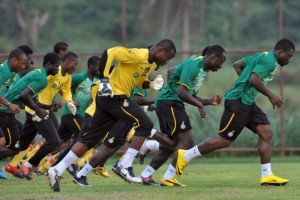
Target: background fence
[[241, 26]]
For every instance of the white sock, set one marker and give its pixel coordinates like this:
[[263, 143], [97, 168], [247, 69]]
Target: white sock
[[27, 164], [65, 163], [87, 168], [148, 171], [192, 153], [128, 158], [152, 145], [170, 173], [153, 131], [266, 169]]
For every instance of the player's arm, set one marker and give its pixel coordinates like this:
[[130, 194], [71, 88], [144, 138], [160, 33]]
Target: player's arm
[[216, 100], [143, 101], [27, 97], [170, 72], [238, 66], [256, 82], [13, 107]]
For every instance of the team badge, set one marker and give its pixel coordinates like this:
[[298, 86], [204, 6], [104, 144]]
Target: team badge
[[135, 75], [111, 140], [230, 134], [17, 145], [54, 85]]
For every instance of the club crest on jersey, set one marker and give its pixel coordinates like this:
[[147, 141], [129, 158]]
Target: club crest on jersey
[[135, 75], [54, 85]]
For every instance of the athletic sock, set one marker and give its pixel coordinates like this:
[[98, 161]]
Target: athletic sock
[[170, 173], [65, 163], [192, 153], [266, 169], [85, 170], [148, 171], [128, 158]]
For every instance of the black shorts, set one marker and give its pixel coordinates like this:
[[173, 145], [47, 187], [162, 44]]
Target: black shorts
[[70, 125], [237, 115], [172, 117], [111, 110], [10, 130]]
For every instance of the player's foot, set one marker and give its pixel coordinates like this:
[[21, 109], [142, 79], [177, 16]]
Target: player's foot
[[27, 171], [36, 170], [101, 171], [80, 181], [114, 167], [181, 163], [149, 181], [72, 169], [2, 175], [54, 179], [272, 179], [143, 152], [171, 182], [127, 174], [14, 171]]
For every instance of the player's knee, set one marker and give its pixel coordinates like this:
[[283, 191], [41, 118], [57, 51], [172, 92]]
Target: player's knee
[[144, 129]]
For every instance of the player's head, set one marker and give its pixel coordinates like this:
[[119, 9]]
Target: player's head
[[162, 52], [61, 48], [204, 51], [215, 56], [93, 65], [70, 61], [29, 65], [284, 50], [17, 60], [51, 63]]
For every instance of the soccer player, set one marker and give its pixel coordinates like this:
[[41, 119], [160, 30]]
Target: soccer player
[[182, 87], [22, 92], [61, 82], [61, 48], [240, 109], [113, 103]]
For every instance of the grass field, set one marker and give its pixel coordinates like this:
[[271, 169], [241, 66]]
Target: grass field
[[206, 178]]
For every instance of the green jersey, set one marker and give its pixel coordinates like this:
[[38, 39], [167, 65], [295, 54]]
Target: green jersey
[[190, 73], [138, 91], [36, 80], [6, 77], [81, 92], [264, 65]]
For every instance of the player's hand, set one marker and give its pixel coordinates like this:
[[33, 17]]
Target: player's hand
[[157, 83], [105, 88], [216, 100], [202, 112], [275, 101], [40, 114], [56, 105], [72, 107], [14, 108]]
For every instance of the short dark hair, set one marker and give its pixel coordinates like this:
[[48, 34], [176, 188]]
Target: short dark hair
[[26, 49], [60, 46], [69, 56], [93, 60], [16, 53], [167, 44], [51, 58], [204, 51], [285, 44], [215, 49]]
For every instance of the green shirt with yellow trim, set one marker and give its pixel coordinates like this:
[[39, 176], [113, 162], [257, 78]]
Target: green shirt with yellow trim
[[264, 65], [36, 80], [6, 77], [190, 73]]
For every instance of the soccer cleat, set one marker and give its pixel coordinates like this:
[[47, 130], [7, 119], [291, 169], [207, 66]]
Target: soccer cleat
[[272, 179], [27, 171], [149, 181], [114, 167], [54, 179], [127, 174], [2, 175], [101, 171], [14, 171], [72, 169], [171, 182], [80, 181], [181, 163]]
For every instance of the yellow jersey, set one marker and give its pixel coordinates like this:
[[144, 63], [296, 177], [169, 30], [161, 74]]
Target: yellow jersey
[[94, 91], [57, 83], [131, 70]]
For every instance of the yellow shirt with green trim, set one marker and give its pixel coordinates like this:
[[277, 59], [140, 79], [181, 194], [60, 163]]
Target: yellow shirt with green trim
[[131, 70]]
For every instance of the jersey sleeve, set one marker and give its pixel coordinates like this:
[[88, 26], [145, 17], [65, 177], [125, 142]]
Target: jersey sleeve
[[37, 83], [189, 72], [264, 66], [66, 89]]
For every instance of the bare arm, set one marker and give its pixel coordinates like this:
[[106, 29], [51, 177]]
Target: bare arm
[[143, 101], [256, 81]]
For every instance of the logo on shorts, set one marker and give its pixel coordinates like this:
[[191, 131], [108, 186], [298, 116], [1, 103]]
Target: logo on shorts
[[17, 145], [111, 140], [182, 126], [230, 134]]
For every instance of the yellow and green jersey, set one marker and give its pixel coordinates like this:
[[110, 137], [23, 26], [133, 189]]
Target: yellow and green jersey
[[36, 80], [81, 91], [131, 70], [264, 65], [57, 83], [94, 91]]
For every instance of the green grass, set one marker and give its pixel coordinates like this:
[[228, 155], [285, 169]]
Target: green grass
[[206, 178]]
